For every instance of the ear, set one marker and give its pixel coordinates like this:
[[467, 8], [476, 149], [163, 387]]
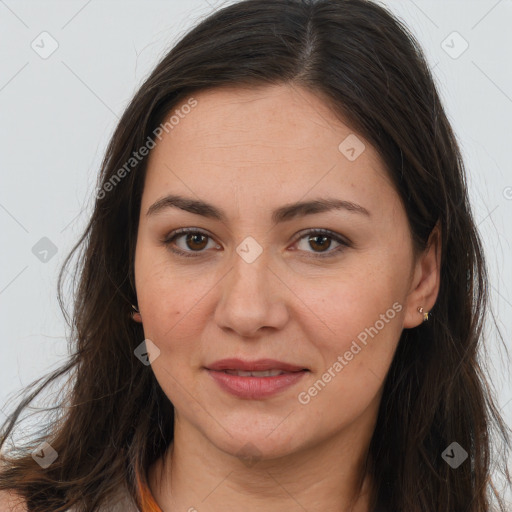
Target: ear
[[426, 280]]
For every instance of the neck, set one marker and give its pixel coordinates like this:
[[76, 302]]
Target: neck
[[194, 475]]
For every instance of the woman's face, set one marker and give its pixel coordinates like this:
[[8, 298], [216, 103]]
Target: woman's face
[[255, 284]]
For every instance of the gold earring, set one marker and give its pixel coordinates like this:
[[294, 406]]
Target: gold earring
[[425, 314], [135, 312]]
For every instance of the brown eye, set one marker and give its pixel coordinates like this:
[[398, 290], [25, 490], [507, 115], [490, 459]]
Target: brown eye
[[320, 240], [195, 242]]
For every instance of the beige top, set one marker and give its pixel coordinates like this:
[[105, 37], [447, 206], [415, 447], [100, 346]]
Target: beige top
[[121, 502]]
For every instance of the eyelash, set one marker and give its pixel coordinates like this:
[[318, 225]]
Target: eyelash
[[194, 254]]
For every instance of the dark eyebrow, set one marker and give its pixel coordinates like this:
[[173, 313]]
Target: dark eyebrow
[[282, 214]]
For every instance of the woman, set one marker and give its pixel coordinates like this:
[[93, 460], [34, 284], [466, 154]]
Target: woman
[[283, 286]]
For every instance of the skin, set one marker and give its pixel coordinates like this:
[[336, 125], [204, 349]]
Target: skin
[[249, 151]]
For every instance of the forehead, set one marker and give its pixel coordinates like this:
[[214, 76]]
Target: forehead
[[283, 117], [281, 137]]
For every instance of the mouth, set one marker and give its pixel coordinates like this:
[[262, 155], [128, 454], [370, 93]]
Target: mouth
[[257, 379], [258, 368], [265, 373]]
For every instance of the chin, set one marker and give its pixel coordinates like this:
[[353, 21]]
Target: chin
[[258, 445]]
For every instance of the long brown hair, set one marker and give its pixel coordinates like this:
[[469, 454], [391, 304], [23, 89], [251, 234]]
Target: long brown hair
[[114, 420]]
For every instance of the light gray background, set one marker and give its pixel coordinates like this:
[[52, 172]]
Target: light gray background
[[57, 114]]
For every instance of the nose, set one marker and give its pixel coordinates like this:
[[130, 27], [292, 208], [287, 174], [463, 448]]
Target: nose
[[253, 298]]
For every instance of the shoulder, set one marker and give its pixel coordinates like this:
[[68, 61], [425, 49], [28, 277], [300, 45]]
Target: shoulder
[[12, 502]]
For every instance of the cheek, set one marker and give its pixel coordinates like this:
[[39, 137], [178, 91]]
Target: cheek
[[171, 309], [171, 312], [355, 352], [172, 303], [359, 317]]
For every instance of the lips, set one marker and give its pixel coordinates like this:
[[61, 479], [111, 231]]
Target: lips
[[255, 380], [264, 373], [239, 367]]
